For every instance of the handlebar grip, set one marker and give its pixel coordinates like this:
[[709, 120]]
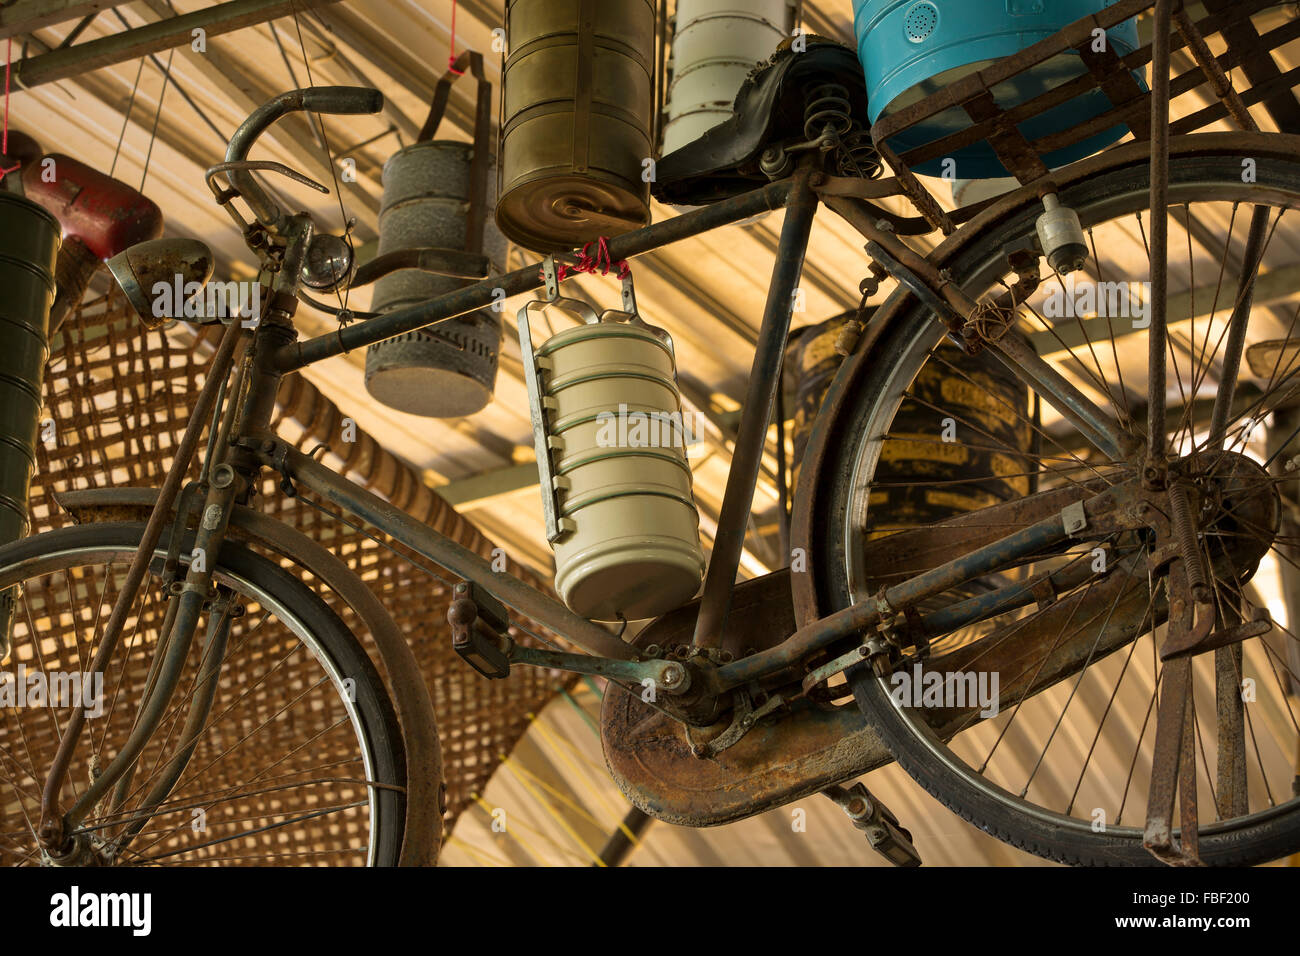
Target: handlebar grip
[[344, 100]]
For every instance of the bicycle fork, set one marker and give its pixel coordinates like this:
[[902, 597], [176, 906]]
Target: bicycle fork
[[185, 606], [226, 484]]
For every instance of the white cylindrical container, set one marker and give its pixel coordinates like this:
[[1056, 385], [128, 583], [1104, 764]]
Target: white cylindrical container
[[630, 543], [715, 45]]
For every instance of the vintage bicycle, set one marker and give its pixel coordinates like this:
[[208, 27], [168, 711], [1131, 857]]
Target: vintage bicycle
[[1116, 557]]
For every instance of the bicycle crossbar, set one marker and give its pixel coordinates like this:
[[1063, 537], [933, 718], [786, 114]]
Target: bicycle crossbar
[[483, 294]]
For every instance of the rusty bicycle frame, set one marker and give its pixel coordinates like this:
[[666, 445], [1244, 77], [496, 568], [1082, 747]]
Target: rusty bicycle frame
[[812, 748]]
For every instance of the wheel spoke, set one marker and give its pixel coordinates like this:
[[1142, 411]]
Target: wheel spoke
[[1066, 745]]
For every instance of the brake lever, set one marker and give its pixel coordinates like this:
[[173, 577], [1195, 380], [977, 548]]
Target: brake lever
[[255, 233], [264, 165]]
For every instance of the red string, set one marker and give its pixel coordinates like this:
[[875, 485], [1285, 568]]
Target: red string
[[602, 262], [4, 145], [451, 56]]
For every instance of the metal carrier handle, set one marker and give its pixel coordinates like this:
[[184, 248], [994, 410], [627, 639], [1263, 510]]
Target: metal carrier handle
[[468, 62], [556, 525]]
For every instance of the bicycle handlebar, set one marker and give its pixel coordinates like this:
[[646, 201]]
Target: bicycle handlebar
[[339, 100]]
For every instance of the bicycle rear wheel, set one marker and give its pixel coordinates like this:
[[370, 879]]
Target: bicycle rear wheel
[[1061, 766], [297, 761]]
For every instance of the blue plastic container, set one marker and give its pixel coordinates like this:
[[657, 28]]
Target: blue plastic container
[[911, 48]]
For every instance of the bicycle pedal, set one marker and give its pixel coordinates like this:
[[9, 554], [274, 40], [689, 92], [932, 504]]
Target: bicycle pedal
[[480, 628], [882, 829]]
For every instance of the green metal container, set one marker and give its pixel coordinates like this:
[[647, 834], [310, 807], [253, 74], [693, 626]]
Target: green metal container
[[575, 130], [29, 248]]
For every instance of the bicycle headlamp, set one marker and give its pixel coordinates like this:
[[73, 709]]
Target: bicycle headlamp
[[174, 263]]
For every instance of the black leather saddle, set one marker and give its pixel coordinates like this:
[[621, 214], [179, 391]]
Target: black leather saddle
[[769, 110]]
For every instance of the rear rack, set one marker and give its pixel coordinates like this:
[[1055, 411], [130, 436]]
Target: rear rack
[[1230, 21]]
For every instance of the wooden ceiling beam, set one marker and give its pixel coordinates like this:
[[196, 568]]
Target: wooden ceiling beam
[[25, 16], [82, 58]]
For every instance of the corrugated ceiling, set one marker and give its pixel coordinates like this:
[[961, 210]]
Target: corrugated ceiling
[[708, 292]]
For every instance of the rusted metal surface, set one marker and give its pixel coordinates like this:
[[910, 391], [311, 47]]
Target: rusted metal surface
[[651, 760], [1189, 842], [178, 259], [1257, 62], [1008, 142], [1157, 337], [650, 756], [1230, 362], [911, 552], [1228, 21], [1117, 508], [925, 204], [1116, 82], [1214, 72], [1158, 835], [1230, 787]]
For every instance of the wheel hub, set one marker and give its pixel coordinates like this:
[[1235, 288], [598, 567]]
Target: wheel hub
[[1239, 505]]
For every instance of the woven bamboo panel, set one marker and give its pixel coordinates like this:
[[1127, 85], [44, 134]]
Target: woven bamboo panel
[[118, 398]]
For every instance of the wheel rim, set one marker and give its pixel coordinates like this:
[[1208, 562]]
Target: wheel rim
[[857, 528]]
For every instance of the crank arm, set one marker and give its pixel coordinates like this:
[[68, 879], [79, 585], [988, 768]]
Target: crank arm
[[480, 635], [671, 676]]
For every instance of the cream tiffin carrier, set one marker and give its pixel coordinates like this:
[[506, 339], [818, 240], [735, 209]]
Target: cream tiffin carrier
[[611, 444]]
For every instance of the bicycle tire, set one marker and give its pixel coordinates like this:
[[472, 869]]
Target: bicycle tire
[[330, 641], [1260, 837]]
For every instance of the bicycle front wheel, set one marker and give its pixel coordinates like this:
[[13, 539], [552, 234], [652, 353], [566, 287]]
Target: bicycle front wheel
[[293, 757]]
